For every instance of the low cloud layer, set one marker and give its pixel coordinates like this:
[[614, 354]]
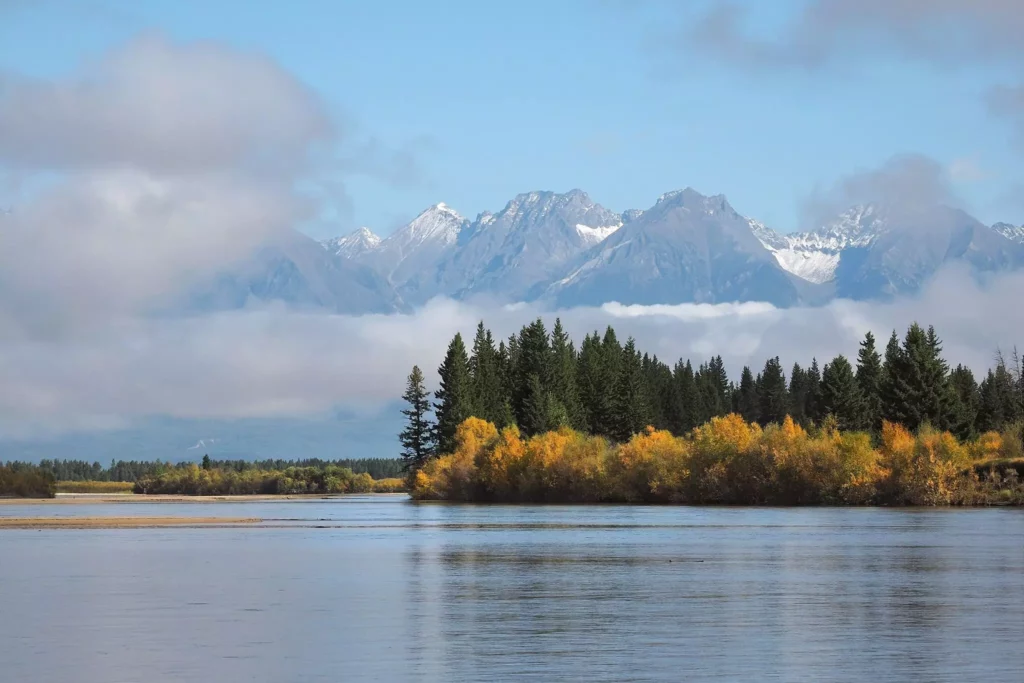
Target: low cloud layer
[[273, 362]]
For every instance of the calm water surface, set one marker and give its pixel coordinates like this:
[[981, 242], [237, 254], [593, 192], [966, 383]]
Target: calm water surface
[[382, 589]]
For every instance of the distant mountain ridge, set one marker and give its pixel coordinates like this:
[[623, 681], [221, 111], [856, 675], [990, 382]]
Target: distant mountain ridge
[[566, 250]]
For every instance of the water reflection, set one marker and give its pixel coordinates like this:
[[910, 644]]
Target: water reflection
[[393, 591]]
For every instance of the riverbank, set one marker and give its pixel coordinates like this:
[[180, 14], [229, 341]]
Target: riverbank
[[132, 498]]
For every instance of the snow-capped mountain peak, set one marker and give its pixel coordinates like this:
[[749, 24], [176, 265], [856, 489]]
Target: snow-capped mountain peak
[[353, 244], [1011, 232], [438, 223]]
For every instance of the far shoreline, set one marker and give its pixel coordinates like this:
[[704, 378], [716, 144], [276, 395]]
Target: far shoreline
[[135, 498]]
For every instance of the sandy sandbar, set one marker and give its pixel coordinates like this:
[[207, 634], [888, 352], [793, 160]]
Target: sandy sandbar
[[129, 498]]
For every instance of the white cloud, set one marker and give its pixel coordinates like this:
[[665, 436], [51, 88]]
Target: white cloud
[[164, 107]]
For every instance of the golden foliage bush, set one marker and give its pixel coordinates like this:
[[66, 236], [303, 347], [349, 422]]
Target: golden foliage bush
[[726, 461]]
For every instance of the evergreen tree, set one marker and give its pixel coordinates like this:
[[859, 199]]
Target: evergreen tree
[[772, 393], [661, 392], [417, 438], [869, 379], [532, 360], [812, 403], [915, 388], [967, 400], [798, 394], [999, 404], [631, 403], [590, 378], [840, 394], [536, 408], [686, 411], [455, 395], [485, 370], [748, 403], [719, 381], [563, 384]]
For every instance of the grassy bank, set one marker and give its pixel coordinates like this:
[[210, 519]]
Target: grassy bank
[[726, 461], [95, 487]]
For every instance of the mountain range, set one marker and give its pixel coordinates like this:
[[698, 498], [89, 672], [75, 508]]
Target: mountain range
[[566, 250]]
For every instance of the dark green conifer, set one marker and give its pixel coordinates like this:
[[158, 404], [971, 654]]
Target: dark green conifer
[[748, 403], [840, 394], [773, 396], [869, 379], [454, 396], [417, 438]]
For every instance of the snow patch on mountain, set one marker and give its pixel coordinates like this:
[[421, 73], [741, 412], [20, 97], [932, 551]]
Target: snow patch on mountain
[[814, 255], [595, 235]]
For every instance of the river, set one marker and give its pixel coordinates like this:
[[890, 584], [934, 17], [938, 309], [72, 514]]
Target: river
[[381, 589]]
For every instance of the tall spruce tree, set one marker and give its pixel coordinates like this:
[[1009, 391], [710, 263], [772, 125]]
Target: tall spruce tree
[[686, 412], [747, 404], [869, 379], [563, 383], [773, 394], [536, 408], [840, 394], [661, 391], [798, 394], [915, 388], [533, 360], [812, 403], [967, 400], [454, 396], [417, 438], [631, 402], [485, 370]]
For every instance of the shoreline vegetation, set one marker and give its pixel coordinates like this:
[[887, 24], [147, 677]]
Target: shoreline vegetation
[[208, 478], [533, 420], [726, 461]]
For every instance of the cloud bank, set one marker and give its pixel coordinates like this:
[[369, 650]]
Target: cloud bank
[[273, 362]]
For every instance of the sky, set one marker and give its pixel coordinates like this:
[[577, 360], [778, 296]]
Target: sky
[[471, 103], [146, 148]]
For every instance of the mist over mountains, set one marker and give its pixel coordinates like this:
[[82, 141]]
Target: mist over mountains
[[566, 250]]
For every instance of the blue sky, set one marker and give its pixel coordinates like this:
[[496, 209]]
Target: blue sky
[[496, 98]]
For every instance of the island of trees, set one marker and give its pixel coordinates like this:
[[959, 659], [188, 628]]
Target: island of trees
[[534, 419]]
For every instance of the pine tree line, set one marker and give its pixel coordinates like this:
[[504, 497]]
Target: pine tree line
[[540, 382]]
